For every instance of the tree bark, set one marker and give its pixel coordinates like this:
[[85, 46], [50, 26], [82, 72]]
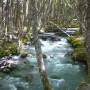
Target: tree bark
[[88, 37], [82, 14], [39, 56]]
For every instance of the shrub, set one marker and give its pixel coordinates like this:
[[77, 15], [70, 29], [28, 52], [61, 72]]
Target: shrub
[[8, 48]]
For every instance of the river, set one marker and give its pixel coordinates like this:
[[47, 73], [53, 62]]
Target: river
[[63, 73]]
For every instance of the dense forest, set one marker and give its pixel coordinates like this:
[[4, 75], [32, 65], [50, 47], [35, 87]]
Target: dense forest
[[44, 44]]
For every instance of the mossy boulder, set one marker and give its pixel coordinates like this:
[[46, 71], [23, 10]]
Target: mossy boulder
[[79, 52], [76, 42]]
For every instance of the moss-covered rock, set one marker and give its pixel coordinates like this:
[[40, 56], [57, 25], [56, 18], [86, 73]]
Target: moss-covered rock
[[79, 52], [76, 42]]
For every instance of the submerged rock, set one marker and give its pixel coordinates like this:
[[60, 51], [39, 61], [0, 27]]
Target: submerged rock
[[44, 56], [69, 53], [28, 77], [55, 77]]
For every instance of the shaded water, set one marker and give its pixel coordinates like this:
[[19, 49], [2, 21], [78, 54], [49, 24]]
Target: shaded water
[[62, 72]]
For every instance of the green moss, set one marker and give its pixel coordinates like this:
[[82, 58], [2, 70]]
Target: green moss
[[79, 52], [75, 43], [24, 39]]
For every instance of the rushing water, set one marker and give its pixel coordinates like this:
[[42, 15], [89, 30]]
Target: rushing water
[[62, 72]]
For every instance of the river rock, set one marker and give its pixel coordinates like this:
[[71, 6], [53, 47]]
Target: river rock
[[6, 66], [44, 56], [54, 38], [28, 77], [55, 77], [50, 36], [69, 53], [24, 55]]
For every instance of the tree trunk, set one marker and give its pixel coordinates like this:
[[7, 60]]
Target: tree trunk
[[39, 55], [82, 14], [40, 61], [88, 37]]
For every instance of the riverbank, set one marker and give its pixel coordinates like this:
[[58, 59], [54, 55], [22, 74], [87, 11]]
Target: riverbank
[[79, 51], [84, 86]]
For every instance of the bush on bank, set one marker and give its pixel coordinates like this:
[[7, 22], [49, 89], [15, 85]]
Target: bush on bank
[[8, 48]]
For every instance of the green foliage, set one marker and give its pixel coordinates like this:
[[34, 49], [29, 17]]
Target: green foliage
[[24, 39], [8, 48], [3, 53]]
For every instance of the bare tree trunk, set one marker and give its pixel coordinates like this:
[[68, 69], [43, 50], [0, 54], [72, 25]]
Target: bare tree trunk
[[39, 55], [40, 61], [88, 37], [82, 14]]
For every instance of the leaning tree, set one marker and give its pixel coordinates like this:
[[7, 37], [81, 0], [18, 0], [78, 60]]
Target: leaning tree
[[38, 11]]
